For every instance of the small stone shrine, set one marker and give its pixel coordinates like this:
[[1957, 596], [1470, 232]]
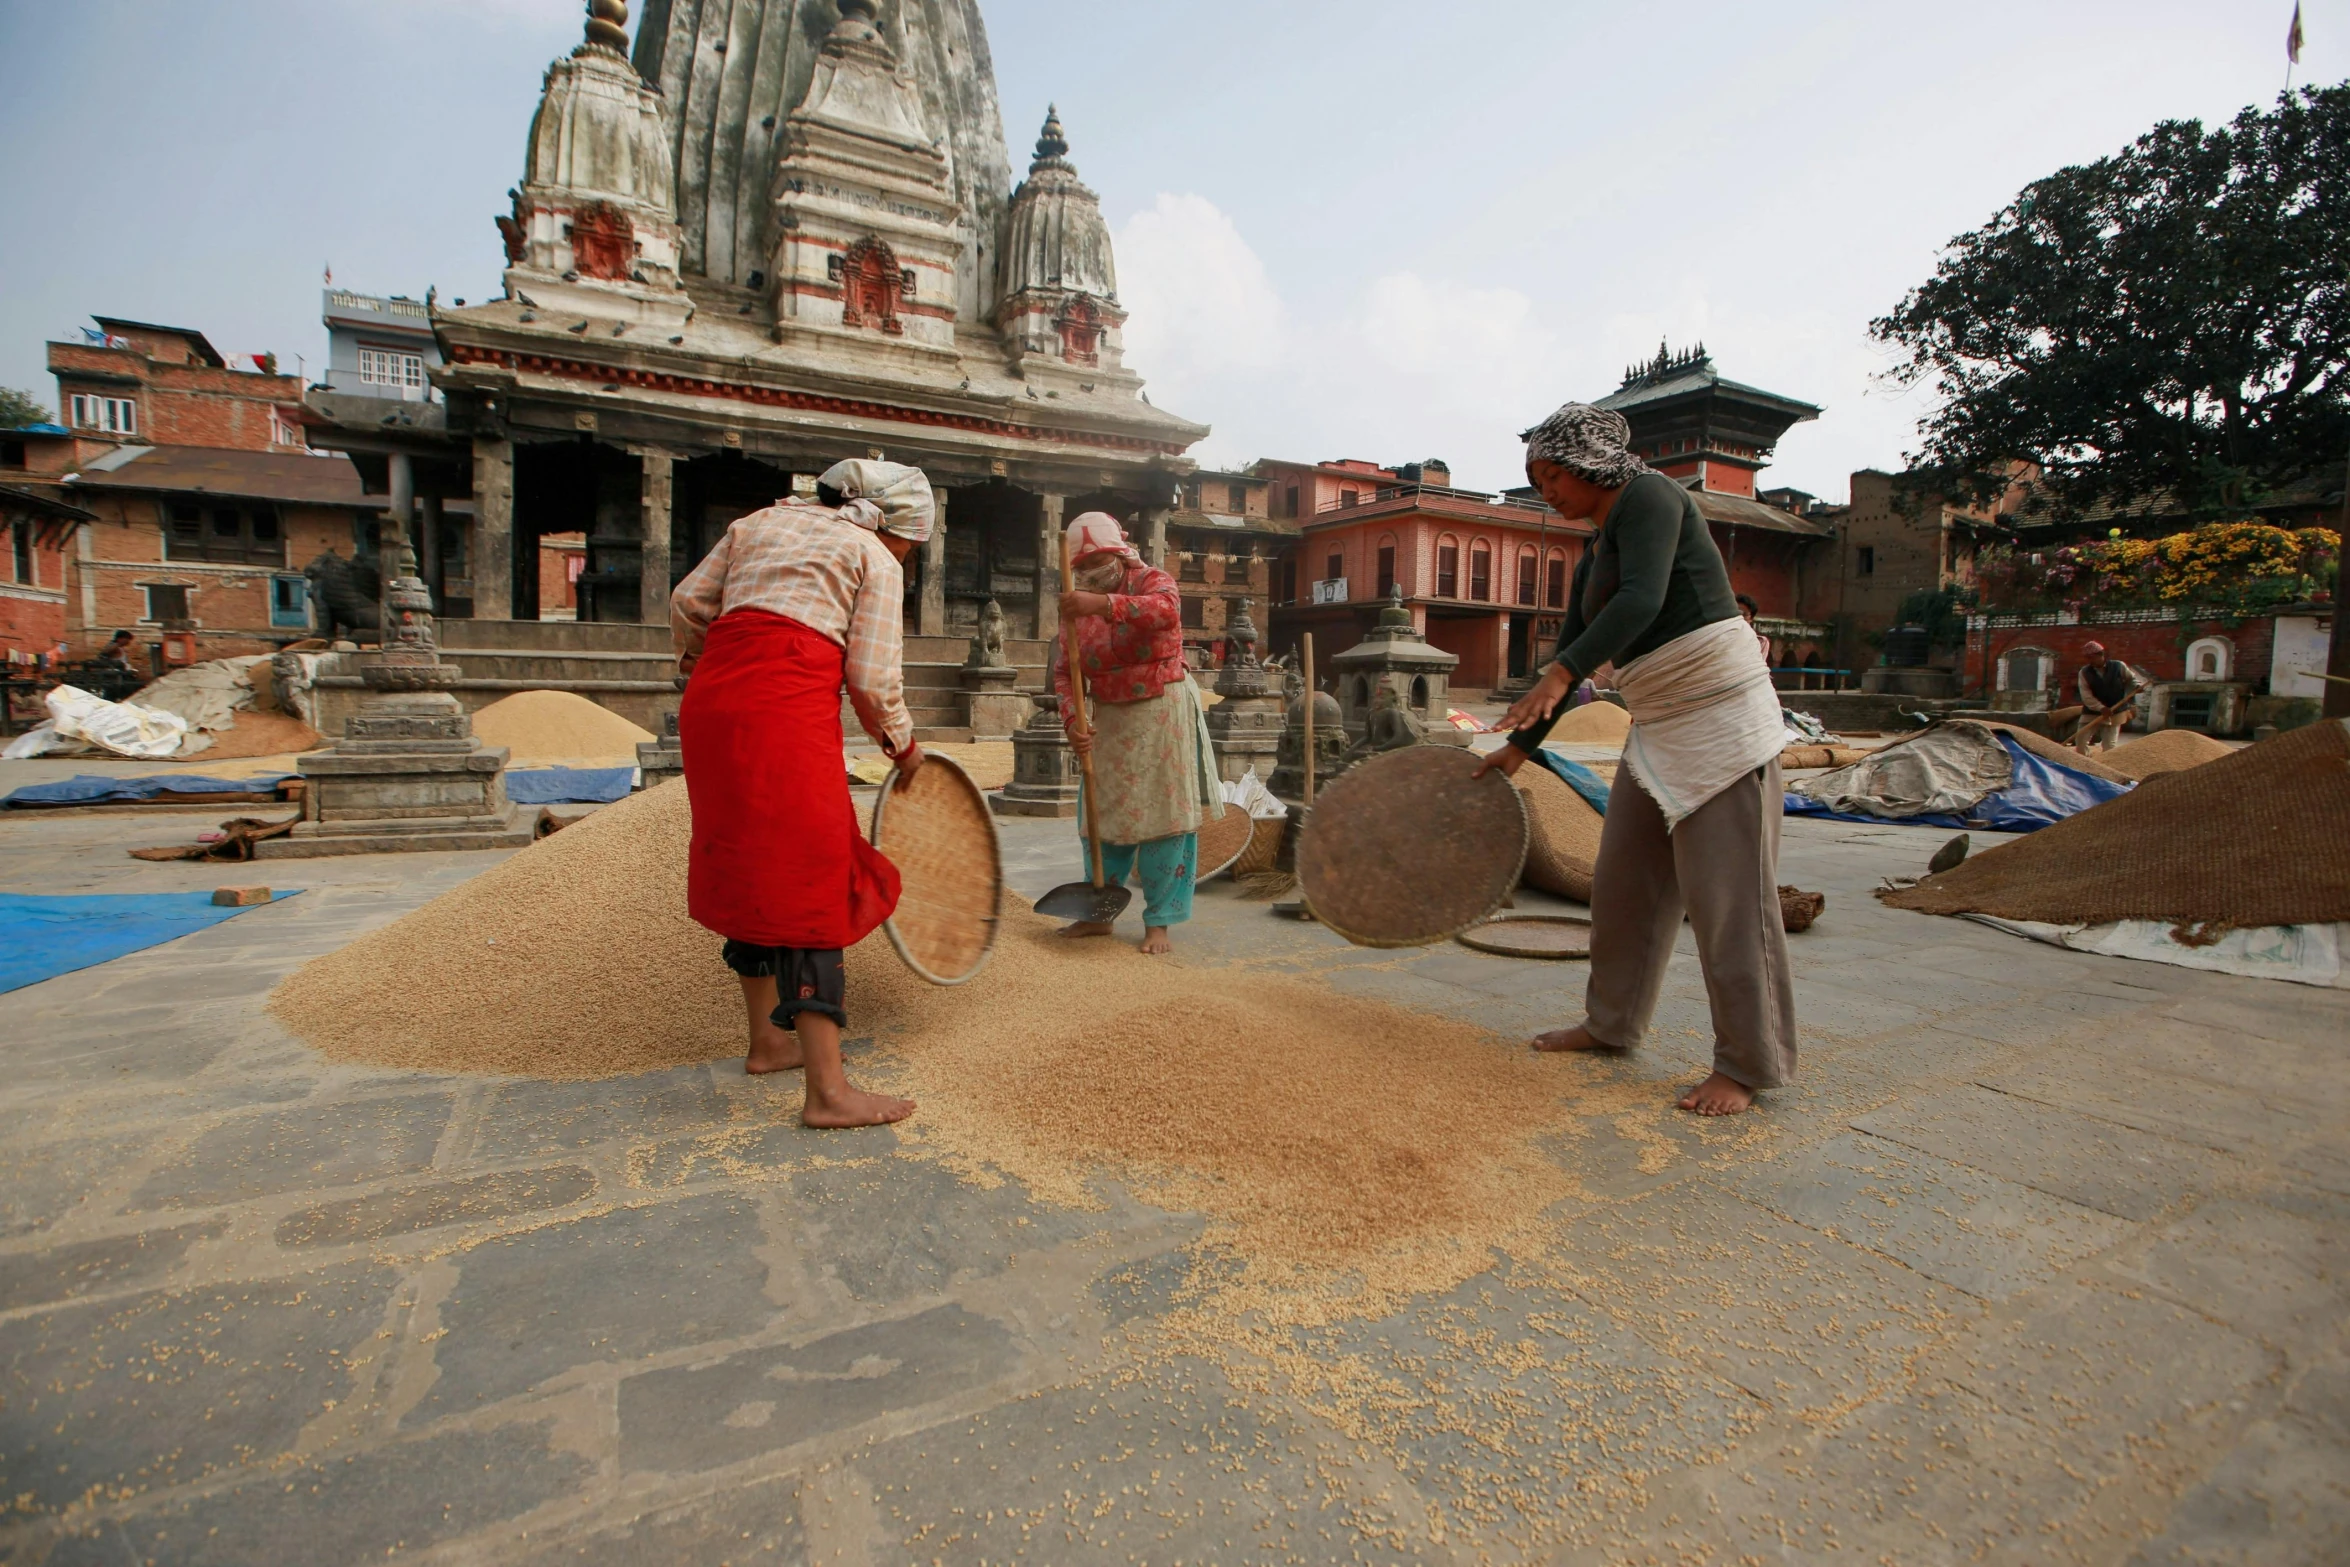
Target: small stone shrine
[[1244, 727], [1396, 657], [992, 709], [408, 773], [661, 759], [1288, 782], [1044, 769]]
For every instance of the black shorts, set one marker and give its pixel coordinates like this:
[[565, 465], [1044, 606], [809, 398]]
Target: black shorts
[[807, 979]]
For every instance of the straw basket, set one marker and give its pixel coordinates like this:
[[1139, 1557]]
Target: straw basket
[[1411, 847], [940, 835], [1223, 841]]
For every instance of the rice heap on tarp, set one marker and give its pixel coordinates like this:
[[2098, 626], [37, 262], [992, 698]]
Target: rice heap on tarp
[[2255, 838], [558, 729], [1562, 834], [2165, 751], [2056, 751], [1305, 1123], [1594, 723]]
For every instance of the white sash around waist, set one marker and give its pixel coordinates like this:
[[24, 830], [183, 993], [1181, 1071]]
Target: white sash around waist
[[1704, 715]]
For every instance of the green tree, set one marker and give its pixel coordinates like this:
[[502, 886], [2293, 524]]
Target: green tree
[[18, 409], [2169, 322]]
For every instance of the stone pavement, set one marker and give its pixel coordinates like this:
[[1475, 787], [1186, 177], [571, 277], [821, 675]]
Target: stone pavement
[[2044, 1259]]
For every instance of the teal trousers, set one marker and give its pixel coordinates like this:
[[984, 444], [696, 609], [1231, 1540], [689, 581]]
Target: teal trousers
[[1167, 866]]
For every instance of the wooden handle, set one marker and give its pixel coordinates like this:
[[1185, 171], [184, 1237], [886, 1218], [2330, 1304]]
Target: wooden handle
[[1306, 644], [1093, 826]]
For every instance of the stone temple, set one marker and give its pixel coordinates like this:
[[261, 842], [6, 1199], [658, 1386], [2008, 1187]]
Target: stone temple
[[781, 233]]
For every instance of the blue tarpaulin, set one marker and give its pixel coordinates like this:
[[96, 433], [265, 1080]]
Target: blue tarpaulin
[[2041, 792], [1577, 777], [95, 789], [43, 937], [569, 785]]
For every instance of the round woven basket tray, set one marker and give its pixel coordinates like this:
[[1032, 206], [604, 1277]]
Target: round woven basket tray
[[940, 835], [1411, 847], [1531, 936], [1223, 841]]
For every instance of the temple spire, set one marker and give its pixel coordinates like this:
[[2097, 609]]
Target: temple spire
[[1050, 142], [607, 25]]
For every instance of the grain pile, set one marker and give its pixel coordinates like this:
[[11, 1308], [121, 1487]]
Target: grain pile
[[1306, 1125], [1562, 834], [558, 729], [1594, 723], [2254, 838], [2165, 751], [257, 733], [2058, 752]]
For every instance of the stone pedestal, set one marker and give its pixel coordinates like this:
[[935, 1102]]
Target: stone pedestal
[[658, 761], [408, 775], [992, 709], [1244, 727], [1044, 769]]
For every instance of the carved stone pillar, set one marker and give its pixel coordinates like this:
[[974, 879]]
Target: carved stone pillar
[[653, 563], [930, 618], [1154, 536], [428, 547], [395, 536], [493, 528], [1048, 566]]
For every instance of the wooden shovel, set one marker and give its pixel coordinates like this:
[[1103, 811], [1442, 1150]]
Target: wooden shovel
[[1088, 901]]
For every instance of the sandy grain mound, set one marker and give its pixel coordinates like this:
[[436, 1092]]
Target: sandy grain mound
[[2164, 751], [558, 729], [1594, 723], [1562, 838]]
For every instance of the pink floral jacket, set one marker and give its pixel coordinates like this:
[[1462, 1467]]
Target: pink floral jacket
[[1130, 654]]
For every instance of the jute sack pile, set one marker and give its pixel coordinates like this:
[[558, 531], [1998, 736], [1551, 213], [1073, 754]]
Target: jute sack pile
[[1563, 834]]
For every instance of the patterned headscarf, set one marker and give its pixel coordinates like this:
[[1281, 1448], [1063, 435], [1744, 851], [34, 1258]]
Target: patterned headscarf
[[1097, 531], [886, 497], [1588, 442]]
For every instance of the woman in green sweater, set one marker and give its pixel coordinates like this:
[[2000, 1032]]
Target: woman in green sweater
[[1693, 820]]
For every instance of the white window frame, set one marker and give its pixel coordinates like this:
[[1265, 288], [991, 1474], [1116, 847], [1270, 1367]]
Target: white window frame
[[393, 367], [110, 415], [147, 615], [284, 431]]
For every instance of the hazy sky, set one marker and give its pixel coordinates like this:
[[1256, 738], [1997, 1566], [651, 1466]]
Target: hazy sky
[[1373, 229]]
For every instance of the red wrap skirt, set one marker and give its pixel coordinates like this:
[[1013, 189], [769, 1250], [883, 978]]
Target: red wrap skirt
[[777, 860]]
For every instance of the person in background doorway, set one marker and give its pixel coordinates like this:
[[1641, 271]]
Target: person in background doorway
[[1693, 821], [1749, 608], [1154, 776], [2109, 692], [791, 604], [119, 650]]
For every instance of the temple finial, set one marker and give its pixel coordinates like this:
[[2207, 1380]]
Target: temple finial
[[858, 10], [607, 24], [1050, 143]]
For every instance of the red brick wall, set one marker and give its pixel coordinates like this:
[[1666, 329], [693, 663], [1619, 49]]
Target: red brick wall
[[179, 404], [557, 554], [2156, 646], [30, 625], [229, 603]]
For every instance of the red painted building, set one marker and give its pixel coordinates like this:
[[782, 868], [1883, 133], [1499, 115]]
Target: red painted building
[[1484, 577], [40, 530]]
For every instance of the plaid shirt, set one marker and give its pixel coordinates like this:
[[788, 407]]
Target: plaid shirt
[[807, 563]]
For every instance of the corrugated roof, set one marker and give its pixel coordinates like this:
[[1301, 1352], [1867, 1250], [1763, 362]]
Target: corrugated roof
[[261, 476], [1739, 512]]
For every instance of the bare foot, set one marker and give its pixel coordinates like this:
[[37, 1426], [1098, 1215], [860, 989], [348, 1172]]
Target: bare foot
[[1576, 1038], [773, 1050], [1155, 943], [854, 1107], [1717, 1095], [1087, 928]]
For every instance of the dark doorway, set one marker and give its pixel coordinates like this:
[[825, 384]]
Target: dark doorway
[[709, 493], [991, 552]]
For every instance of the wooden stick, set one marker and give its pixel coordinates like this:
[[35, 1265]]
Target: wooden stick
[[1307, 644], [1085, 801]]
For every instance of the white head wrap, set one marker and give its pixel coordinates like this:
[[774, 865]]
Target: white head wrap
[[886, 497], [1094, 532]]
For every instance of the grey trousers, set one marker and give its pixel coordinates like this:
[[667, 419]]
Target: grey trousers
[[1721, 866]]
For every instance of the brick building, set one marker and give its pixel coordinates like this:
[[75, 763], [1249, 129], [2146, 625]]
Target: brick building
[[1222, 542], [132, 381], [40, 531], [1484, 577]]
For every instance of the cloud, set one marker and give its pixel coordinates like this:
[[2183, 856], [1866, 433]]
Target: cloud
[[1201, 305]]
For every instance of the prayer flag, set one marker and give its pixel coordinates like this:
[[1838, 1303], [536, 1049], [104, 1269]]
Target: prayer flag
[[2293, 36]]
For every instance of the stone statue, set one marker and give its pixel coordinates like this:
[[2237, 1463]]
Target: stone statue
[[1392, 726], [346, 595], [987, 648]]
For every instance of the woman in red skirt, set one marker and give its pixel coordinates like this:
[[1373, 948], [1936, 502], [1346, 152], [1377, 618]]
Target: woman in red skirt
[[791, 603]]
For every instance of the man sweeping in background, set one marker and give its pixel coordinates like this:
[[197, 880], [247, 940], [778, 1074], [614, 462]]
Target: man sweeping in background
[[2109, 690], [792, 602], [1154, 776]]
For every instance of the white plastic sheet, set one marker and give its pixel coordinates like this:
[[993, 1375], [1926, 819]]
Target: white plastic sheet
[[125, 728], [2304, 954], [1250, 794]]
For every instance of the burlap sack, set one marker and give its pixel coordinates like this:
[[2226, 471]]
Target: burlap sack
[[1563, 835]]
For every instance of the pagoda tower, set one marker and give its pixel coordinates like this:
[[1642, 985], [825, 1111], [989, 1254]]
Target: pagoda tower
[[1692, 423]]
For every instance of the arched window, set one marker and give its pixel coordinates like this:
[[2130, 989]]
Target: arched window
[[1554, 591], [1448, 567], [1529, 568], [1481, 571], [2210, 658], [1420, 693], [870, 281]]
